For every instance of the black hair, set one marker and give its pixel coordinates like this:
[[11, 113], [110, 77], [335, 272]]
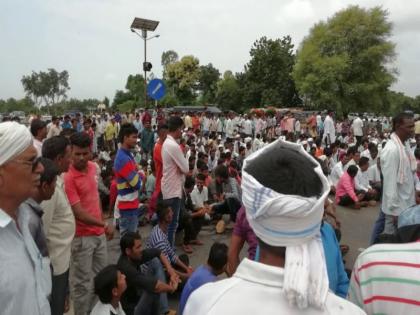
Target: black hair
[[54, 147], [286, 171], [352, 170], [221, 171], [372, 146], [37, 125], [363, 161], [104, 282], [50, 171], [68, 132], [201, 164], [162, 210], [162, 127], [189, 182], [417, 153], [399, 119], [201, 176], [127, 241], [218, 256], [174, 123], [126, 131], [80, 139], [351, 151], [276, 250], [328, 151]]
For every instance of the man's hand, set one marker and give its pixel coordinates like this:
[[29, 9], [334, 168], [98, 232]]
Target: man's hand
[[109, 232]]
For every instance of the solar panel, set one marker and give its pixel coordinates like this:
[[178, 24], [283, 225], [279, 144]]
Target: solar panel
[[144, 24]]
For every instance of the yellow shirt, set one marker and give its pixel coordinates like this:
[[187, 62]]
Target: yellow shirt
[[110, 131]]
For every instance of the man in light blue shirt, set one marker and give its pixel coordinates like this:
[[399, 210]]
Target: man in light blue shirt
[[19, 257]]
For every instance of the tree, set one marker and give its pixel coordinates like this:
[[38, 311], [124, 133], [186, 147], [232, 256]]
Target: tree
[[25, 104], [268, 79], [46, 88], [134, 93], [229, 93], [207, 83], [182, 77], [343, 63], [168, 57]]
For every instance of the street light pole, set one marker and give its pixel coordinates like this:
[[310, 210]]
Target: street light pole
[[144, 35]]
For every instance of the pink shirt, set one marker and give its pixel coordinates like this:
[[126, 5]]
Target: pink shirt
[[175, 165], [83, 188], [345, 186]]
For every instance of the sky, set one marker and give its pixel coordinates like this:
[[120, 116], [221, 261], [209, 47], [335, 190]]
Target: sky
[[91, 39]]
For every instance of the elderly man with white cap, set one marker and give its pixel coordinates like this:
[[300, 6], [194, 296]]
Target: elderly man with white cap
[[284, 191], [20, 263]]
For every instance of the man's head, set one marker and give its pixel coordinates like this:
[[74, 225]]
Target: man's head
[[373, 150], [221, 174], [199, 181], [403, 126], [128, 136], [189, 184], [80, 150], [109, 284], [86, 124], [218, 258], [58, 150], [55, 120], [164, 213], [352, 170], [39, 129], [20, 170], [162, 132], [364, 163], [130, 245], [175, 126], [46, 188]]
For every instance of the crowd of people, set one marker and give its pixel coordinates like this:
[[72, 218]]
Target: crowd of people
[[69, 186]]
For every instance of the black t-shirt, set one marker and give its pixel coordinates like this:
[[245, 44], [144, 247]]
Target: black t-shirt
[[136, 281]]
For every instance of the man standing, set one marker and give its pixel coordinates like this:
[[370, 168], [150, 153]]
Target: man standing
[[19, 256], [128, 180], [147, 140], [175, 166], [110, 134], [357, 127], [284, 195], [54, 128], [59, 223], [39, 132], [398, 165], [329, 128], [89, 252]]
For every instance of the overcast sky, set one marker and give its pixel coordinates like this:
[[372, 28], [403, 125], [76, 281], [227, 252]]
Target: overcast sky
[[91, 39]]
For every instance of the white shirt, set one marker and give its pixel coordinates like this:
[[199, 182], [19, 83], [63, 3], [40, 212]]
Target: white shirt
[[38, 147], [229, 128], [336, 173], [199, 198], [374, 174], [329, 128], [247, 127], [361, 180], [396, 197], [106, 309], [175, 165], [256, 288], [357, 127]]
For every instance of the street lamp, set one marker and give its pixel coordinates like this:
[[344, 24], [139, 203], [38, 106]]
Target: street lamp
[[144, 25]]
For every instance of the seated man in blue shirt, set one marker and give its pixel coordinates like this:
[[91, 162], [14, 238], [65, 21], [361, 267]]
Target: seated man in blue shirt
[[216, 265]]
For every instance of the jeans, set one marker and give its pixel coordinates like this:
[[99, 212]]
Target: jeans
[[378, 227], [60, 284], [128, 222], [153, 303], [175, 204], [229, 206]]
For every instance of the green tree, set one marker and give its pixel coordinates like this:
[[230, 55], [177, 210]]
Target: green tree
[[25, 104], [267, 76], [134, 92], [47, 88], [343, 63], [229, 92], [207, 83], [181, 77], [168, 57]]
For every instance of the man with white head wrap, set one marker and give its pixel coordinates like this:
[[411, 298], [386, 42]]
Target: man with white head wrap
[[284, 191], [20, 266]]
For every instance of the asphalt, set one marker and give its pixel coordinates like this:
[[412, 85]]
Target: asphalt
[[356, 228]]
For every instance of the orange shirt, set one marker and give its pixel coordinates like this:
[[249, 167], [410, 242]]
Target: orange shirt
[[157, 159]]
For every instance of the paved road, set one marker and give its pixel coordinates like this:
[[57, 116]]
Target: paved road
[[356, 227]]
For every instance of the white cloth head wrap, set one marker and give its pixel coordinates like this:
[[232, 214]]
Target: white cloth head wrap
[[14, 139], [293, 222]]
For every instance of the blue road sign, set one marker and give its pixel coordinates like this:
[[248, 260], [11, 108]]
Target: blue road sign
[[156, 89]]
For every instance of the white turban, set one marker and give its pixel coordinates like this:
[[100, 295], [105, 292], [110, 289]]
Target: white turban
[[293, 222], [14, 139]]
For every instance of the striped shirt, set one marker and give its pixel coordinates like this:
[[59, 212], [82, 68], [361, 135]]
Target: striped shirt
[[128, 180], [386, 279], [158, 239]]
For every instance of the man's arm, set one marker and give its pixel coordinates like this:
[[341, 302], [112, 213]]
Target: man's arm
[[389, 167], [85, 217], [236, 245], [176, 154]]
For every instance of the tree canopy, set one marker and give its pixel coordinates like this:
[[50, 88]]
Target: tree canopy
[[345, 62]]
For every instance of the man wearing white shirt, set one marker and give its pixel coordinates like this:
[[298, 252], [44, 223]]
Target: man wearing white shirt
[[398, 166], [357, 127], [329, 128], [362, 182], [39, 132], [199, 195], [247, 127], [175, 167]]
